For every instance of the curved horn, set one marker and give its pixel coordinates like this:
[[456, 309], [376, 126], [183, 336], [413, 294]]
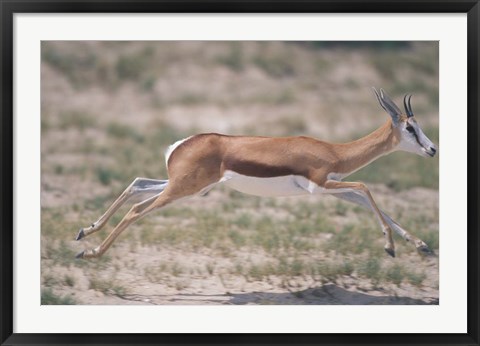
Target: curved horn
[[407, 105]]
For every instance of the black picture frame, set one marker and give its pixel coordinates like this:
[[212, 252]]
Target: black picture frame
[[10, 8]]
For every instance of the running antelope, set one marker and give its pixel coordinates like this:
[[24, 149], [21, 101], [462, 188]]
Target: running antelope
[[271, 166]]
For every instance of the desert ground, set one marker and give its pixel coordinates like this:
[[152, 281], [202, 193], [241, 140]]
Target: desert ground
[[110, 110]]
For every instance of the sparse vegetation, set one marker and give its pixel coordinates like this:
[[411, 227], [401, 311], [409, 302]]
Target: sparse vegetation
[[371, 268], [395, 274], [75, 119], [133, 99], [50, 298], [123, 132], [107, 286], [132, 66], [233, 58], [69, 280], [415, 278]]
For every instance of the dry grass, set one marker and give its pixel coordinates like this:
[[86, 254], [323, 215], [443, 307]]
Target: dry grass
[[110, 109]]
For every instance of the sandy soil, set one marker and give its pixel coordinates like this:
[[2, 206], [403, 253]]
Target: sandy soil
[[131, 266]]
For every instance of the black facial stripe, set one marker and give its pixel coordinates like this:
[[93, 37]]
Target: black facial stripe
[[416, 138]]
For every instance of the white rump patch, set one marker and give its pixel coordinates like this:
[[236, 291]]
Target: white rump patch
[[172, 147], [289, 185]]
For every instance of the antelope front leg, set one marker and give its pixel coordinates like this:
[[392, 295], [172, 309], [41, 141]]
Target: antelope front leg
[[359, 199], [338, 187], [137, 187], [420, 245]]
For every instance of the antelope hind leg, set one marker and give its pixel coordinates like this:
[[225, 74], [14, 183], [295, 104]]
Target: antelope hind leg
[[174, 191], [137, 211], [139, 187]]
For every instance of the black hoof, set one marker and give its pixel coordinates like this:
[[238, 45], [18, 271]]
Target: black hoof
[[79, 255], [80, 234], [391, 252]]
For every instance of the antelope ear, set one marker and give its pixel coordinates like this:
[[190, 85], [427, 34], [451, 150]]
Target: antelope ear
[[388, 105]]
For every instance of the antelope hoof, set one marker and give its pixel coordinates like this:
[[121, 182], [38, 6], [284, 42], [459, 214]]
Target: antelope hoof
[[80, 234], [79, 255], [390, 251]]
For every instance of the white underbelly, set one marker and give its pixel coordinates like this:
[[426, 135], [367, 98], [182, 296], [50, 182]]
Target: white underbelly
[[290, 185]]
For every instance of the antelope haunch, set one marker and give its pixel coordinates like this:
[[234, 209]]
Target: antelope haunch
[[270, 166]]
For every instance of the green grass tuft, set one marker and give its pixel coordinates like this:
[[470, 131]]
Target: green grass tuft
[[50, 298]]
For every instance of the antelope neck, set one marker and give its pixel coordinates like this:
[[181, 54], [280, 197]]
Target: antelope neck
[[357, 154]]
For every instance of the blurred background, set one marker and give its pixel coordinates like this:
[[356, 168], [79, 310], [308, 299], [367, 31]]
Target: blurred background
[[109, 111]]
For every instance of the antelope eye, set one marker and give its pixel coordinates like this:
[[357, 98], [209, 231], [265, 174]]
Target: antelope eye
[[410, 129]]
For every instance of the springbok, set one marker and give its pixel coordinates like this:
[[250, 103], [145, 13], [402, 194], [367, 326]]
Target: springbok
[[271, 166]]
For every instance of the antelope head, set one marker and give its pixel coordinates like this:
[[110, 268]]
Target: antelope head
[[411, 136]]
